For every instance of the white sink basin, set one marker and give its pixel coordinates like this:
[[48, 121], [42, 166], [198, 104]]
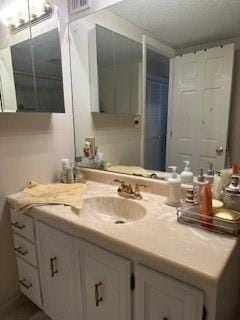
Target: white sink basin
[[113, 210]]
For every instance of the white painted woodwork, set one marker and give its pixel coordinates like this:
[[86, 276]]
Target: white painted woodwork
[[23, 225], [29, 281], [159, 297], [7, 85], [68, 283], [25, 249], [113, 272], [200, 108], [59, 289]]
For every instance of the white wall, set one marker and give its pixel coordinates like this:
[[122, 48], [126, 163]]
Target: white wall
[[95, 6], [31, 146], [115, 135]]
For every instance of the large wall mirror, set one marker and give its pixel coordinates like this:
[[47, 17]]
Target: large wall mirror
[[156, 85], [30, 57]]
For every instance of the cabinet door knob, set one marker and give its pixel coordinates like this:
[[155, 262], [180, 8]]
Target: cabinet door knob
[[98, 299], [53, 266], [18, 226], [24, 284], [19, 250]]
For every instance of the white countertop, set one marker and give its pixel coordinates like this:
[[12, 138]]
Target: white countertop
[[157, 236]]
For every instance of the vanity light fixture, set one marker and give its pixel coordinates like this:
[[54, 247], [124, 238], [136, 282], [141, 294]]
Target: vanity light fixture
[[17, 16]]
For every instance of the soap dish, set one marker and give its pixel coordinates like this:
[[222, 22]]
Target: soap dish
[[191, 216]]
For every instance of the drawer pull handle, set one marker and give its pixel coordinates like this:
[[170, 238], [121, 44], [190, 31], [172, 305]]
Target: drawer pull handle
[[97, 298], [19, 250], [24, 284], [53, 266], [18, 226]]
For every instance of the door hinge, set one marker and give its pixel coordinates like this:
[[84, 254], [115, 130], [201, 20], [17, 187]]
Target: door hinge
[[171, 133], [132, 281], [204, 313]]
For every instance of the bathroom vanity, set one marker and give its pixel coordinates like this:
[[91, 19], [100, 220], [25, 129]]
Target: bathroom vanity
[[89, 266]]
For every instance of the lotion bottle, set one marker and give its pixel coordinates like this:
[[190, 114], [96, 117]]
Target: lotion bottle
[[210, 173], [200, 184], [187, 176], [174, 188]]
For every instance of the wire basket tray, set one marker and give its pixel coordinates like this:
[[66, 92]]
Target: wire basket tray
[[192, 217]]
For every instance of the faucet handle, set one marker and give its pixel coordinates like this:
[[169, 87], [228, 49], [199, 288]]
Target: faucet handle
[[137, 190], [119, 181], [138, 186]]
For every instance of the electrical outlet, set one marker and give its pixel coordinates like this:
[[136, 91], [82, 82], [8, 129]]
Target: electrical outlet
[[91, 140]]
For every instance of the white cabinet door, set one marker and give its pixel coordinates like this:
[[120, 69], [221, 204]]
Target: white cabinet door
[[159, 297], [57, 270], [104, 279]]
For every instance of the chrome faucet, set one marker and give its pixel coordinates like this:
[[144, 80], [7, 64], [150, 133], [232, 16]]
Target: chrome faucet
[[127, 191]]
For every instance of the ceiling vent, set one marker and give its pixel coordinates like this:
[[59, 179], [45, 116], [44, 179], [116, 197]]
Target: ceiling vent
[[79, 5]]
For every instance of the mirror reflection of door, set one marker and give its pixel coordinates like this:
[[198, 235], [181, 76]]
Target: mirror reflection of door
[[201, 107], [156, 111]]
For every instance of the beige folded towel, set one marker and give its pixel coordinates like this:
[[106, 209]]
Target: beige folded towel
[[36, 194]]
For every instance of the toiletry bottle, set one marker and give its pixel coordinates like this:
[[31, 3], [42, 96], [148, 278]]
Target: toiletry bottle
[[205, 204], [190, 211], [174, 188], [189, 201], [186, 176], [210, 174], [65, 163], [199, 184], [217, 187], [235, 169], [231, 194], [70, 173]]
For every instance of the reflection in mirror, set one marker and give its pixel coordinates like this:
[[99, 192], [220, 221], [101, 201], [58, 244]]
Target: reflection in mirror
[[21, 56], [180, 103], [157, 85], [48, 71], [30, 65]]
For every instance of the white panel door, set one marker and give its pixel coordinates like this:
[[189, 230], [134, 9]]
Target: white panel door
[[7, 85], [161, 297], [104, 279], [57, 270], [200, 110]]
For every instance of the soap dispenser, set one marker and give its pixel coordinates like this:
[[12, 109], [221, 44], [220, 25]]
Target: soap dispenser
[[186, 176], [174, 188], [199, 184], [210, 173]]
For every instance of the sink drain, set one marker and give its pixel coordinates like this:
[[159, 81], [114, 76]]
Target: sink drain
[[119, 221]]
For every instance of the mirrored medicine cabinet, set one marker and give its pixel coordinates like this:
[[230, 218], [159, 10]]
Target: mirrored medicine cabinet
[[30, 57], [119, 72]]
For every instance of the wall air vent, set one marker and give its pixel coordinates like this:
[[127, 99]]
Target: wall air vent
[[76, 6]]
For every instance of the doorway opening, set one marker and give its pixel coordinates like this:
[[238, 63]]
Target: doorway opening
[[156, 112]]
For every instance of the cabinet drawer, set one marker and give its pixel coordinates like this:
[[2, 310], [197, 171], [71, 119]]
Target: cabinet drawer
[[29, 281], [25, 249], [22, 224]]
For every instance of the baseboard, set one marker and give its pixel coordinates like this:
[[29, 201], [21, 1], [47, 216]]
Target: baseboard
[[11, 305]]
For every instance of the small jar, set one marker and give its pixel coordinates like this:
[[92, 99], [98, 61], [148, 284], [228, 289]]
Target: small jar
[[231, 194]]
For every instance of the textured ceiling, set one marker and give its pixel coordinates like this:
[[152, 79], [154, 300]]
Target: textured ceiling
[[182, 23]]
